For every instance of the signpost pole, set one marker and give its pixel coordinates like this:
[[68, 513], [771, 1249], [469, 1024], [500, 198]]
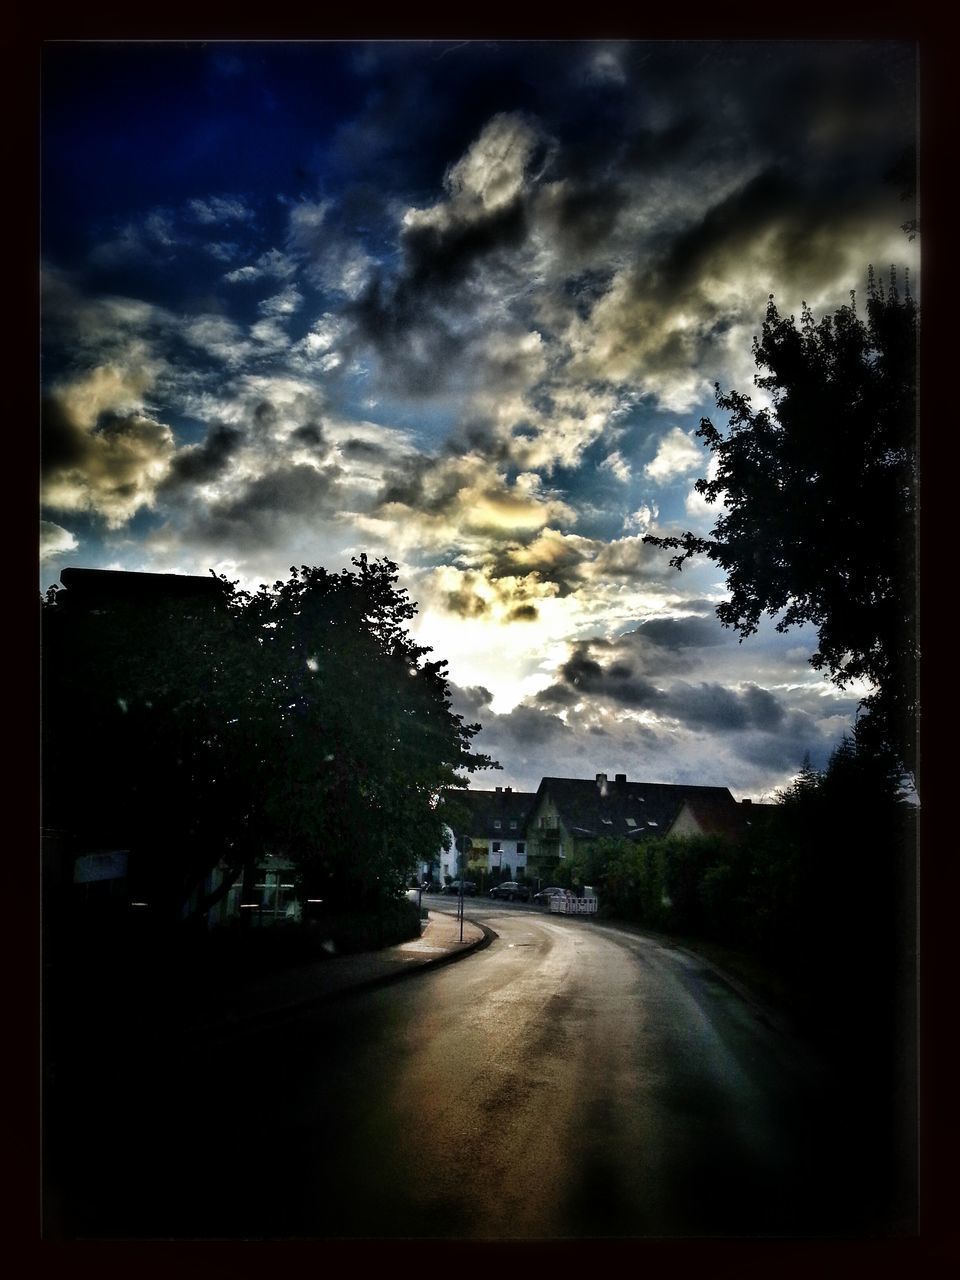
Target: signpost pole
[[463, 845]]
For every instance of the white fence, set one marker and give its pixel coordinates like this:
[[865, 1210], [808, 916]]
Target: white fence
[[573, 906]]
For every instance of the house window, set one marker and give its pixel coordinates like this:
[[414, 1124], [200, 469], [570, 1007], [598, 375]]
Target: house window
[[497, 824], [496, 846], [631, 822], [513, 826], [522, 848], [608, 822]]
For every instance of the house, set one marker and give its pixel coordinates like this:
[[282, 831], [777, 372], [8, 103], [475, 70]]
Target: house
[[443, 863], [568, 813], [495, 822], [102, 590]]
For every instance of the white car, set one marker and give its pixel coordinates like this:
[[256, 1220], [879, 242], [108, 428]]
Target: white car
[[552, 891]]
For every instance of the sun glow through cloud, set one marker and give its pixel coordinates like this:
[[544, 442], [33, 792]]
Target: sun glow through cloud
[[464, 311]]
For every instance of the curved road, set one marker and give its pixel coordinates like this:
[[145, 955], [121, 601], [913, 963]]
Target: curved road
[[571, 1079]]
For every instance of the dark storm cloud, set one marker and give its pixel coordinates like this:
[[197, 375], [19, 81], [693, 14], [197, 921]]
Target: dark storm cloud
[[813, 173], [586, 215], [363, 450], [707, 705], [523, 613], [645, 200], [560, 694], [311, 433], [858, 94], [99, 459], [648, 149], [783, 751], [737, 218], [478, 435], [551, 557], [623, 668], [715, 707], [470, 701], [616, 683], [465, 603], [406, 485], [527, 725], [678, 633], [261, 514], [200, 463], [439, 258], [265, 415], [440, 262], [62, 443]]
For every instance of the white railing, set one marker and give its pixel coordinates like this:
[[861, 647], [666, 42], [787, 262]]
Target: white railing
[[573, 906]]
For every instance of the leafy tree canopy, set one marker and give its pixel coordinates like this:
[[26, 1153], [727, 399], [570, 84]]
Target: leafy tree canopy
[[301, 719], [819, 500]]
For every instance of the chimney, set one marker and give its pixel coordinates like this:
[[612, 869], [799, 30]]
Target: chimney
[[499, 789], [508, 789], [621, 779], [602, 783], [746, 802]]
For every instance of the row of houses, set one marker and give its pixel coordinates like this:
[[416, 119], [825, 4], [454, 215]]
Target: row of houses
[[533, 832]]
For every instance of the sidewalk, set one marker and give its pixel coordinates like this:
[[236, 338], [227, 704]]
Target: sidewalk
[[276, 995]]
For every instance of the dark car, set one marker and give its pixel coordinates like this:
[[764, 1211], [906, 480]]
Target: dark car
[[551, 891], [469, 888], [510, 890]]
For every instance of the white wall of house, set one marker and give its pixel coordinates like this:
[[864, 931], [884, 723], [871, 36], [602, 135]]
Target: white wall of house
[[512, 853], [447, 857], [685, 824]]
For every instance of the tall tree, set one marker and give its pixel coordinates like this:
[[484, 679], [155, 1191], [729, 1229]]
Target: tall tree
[[299, 719], [819, 500]]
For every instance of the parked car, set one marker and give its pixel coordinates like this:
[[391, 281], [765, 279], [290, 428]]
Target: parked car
[[469, 888], [551, 891], [510, 890]]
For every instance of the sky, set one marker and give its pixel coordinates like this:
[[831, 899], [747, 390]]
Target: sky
[[463, 305]]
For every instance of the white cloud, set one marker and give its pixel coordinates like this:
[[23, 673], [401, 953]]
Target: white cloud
[[306, 220], [491, 174], [617, 465], [283, 303], [643, 519], [55, 541], [218, 336], [273, 264], [223, 250], [220, 209], [116, 454], [696, 505], [270, 333], [605, 65], [677, 455]]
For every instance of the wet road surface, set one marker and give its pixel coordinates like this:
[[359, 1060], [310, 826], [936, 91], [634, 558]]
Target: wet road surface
[[570, 1080]]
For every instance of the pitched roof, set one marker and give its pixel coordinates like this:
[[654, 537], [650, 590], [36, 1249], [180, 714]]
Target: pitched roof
[[716, 816], [487, 808], [589, 809]]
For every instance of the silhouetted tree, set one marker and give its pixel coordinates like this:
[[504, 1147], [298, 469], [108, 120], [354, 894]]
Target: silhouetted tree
[[300, 719], [819, 500]]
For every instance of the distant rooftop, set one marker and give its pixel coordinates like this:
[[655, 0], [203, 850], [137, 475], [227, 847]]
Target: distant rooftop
[[613, 806], [91, 587]]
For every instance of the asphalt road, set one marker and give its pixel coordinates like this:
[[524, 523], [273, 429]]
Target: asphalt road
[[571, 1079]]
